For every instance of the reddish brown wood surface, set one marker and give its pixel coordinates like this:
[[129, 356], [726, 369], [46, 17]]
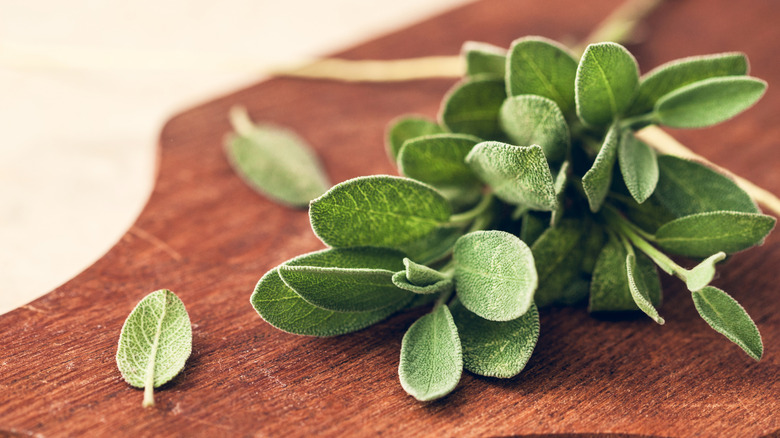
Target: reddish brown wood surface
[[208, 237]]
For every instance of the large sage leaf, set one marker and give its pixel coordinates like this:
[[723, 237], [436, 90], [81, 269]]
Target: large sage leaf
[[496, 349], [703, 234], [407, 128], [155, 342], [607, 78], [530, 119], [517, 174], [484, 59], [431, 357], [728, 317], [639, 167], [471, 107], [377, 211], [542, 67], [439, 160], [495, 276], [708, 102], [275, 161], [596, 181], [284, 309]]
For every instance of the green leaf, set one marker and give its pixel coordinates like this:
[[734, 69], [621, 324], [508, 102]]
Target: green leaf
[[708, 102], [609, 288], [284, 309], [472, 106], [703, 273], [560, 190], [728, 317], [484, 59], [639, 167], [495, 275], [346, 279], [542, 67], [686, 188], [642, 284], [496, 349], [702, 234], [438, 160], [431, 358], [377, 211], [274, 161], [406, 128], [421, 275], [517, 174], [530, 119], [558, 253], [400, 280], [607, 78], [154, 343], [681, 72], [598, 179], [532, 226], [435, 245]]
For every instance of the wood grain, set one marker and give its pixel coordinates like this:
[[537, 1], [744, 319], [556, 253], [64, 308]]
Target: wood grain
[[208, 237]]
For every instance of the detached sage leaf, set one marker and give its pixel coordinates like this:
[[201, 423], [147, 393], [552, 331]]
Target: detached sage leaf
[[379, 210], [495, 276], [484, 59], [597, 180], [471, 107], [529, 119], [496, 349], [275, 161], [607, 78], [431, 357], [155, 342], [638, 166], [728, 317], [407, 128], [702, 274], [640, 284], [708, 102], [702, 234], [517, 174]]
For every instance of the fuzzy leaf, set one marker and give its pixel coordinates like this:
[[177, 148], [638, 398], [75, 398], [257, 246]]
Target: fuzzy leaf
[[406, 128], [708, 102], [560, 189], [377, 211], [597, 180], [728, 317], [702, 274], [400, 280], [421, 275], [517, 174], [472, 106], [438, 160], [703, 234], [639, 167], [558, 253], [431, 358], [642, 286], [496, 349], [530, 119], [495, 275], [607, 78], [155, 342], [484, 59], [609, 288], [433, 246], [542, 67]]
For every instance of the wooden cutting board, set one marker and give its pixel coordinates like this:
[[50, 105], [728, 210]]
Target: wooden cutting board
[[208, 237]]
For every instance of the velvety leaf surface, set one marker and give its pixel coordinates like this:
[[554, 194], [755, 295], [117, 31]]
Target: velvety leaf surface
[[439, 160], [596, 181], [558, 254], [472, 106], [607, 78], [643, 284], [639, 167], [407, 128], [609, 287], [703, 234], [703, 273], [484, 59], [530, 119], [729, 318]]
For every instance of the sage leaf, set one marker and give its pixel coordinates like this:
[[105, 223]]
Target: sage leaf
[[530, 119], [346, 279], [484, 59], [441, 286], [597, 181], [438, 160], [378, 210], [472, 106], [708, 102], [155, 342], [681, 72], [431, 358], [560, 189], [495, 276], [435, 245], [517, 174], [275, 161], [702, 274], [406, 128], [542, 67], [609, 288], [532, 226], [558, 253], [686, 187], [724, 314], [702, 234], [638, 166], [421, 275], [284, 309], [640, 286], [496, 349], [607, 78]]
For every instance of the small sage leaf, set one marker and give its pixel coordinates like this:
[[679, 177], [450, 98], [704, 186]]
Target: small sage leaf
[[640, 288], [438, 160], [702, 234], [639, 167], [517, 174], [496, 349], [400, 280], [431, 358], [609, 288], [728, 317], [484, 59], [702, 274], [472, 106], [542, 67], [708, 102], [155, 342], [558, 253], [421, 275], [377, 211], [607, 78], [275, 161], [495, 276], [596, 181], [407, 128], [530, 119]]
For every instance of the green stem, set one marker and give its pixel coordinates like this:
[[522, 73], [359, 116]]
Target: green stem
[[467, 216]]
